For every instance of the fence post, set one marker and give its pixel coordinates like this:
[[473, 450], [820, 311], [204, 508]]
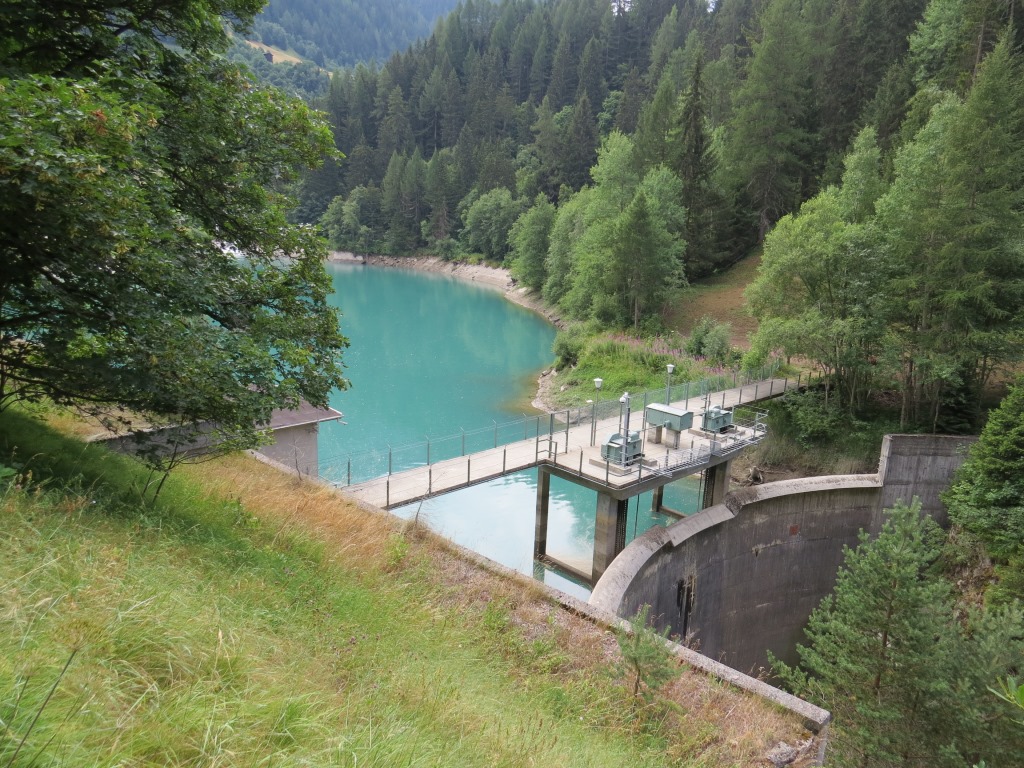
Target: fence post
[[389, 459], [430, 480], [771, 387], [349, 471], [567, 429], [799, 376], [755, 390], [387, 492], [468, 476], [581, 464], [687, 398], [504, 456]]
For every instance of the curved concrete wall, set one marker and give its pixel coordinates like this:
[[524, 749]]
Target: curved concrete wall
[[742, 577]]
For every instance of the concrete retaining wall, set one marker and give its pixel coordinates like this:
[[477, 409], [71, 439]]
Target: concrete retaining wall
[[296, 448], [742, 577]]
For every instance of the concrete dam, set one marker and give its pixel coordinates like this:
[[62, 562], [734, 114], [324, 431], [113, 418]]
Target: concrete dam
[[741, 578]]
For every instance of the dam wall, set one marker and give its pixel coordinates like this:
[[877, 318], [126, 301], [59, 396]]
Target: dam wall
[[741, 578]]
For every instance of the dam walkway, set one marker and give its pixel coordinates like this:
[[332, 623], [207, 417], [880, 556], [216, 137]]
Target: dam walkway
[[568, 443]]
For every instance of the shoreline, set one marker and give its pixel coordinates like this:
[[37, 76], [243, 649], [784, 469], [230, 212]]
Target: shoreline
[[496, 278]]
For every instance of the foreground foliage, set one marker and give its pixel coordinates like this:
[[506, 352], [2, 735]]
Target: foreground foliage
[[147, 261], [215, 628]]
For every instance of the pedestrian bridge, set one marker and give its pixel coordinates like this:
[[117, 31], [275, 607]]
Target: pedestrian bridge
[[567, 444]]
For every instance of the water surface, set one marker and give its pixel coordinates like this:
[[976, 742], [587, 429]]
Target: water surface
[[431, 355]]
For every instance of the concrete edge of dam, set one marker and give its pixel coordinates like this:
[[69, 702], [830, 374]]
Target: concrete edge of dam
[[741, 578]]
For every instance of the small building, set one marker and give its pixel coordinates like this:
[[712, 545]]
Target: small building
[[295, 437]]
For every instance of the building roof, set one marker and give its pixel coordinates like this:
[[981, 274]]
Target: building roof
[[305, 414]]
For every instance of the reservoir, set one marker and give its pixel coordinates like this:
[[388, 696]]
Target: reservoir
[[431, 356]]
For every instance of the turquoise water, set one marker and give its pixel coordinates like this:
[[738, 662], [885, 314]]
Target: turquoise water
[[430, 356]]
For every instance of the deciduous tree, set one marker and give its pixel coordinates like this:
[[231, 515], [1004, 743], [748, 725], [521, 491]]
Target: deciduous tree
[[147, 261]]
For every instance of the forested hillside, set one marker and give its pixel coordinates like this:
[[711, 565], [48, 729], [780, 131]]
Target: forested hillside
[[609, 152], [750, 106], [344, 32]]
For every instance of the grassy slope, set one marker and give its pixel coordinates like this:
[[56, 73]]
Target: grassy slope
[[721, 297], [248, 619], [280, 57]]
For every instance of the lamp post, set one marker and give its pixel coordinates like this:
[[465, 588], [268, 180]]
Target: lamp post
[[593, 412], [668, 383]]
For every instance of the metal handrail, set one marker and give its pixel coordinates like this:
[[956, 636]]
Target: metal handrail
[[367, 465]]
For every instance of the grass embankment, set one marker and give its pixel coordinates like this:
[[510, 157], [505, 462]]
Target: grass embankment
[[280, 56], [250, 619], [720, 297]]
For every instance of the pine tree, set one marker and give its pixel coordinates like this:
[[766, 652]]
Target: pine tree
[[694, 163], [768, 143], [580, 149], [881, 650], [631, 102], [645, 260], [563, 81], [652, 138], [987, 498], [590, 77], [540, 69]]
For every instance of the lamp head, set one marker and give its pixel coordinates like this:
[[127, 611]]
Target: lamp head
[[598, 383]]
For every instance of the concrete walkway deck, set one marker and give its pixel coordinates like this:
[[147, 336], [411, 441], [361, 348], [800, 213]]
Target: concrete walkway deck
[[575, 450]]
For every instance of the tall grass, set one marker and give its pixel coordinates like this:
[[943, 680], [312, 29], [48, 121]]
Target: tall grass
[[249, 619], [626, 364]]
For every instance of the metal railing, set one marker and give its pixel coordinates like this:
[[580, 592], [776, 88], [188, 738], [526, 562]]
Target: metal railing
[[551, 432]]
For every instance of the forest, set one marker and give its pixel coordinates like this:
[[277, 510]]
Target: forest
[[608, 153]]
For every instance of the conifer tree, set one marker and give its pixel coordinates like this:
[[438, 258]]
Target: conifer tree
[[563, 81], [881, 650], [694, 163], [768, 144], [580, 149], [987, 498]]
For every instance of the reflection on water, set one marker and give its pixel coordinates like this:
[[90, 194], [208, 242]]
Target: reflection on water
[[431, 355]]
